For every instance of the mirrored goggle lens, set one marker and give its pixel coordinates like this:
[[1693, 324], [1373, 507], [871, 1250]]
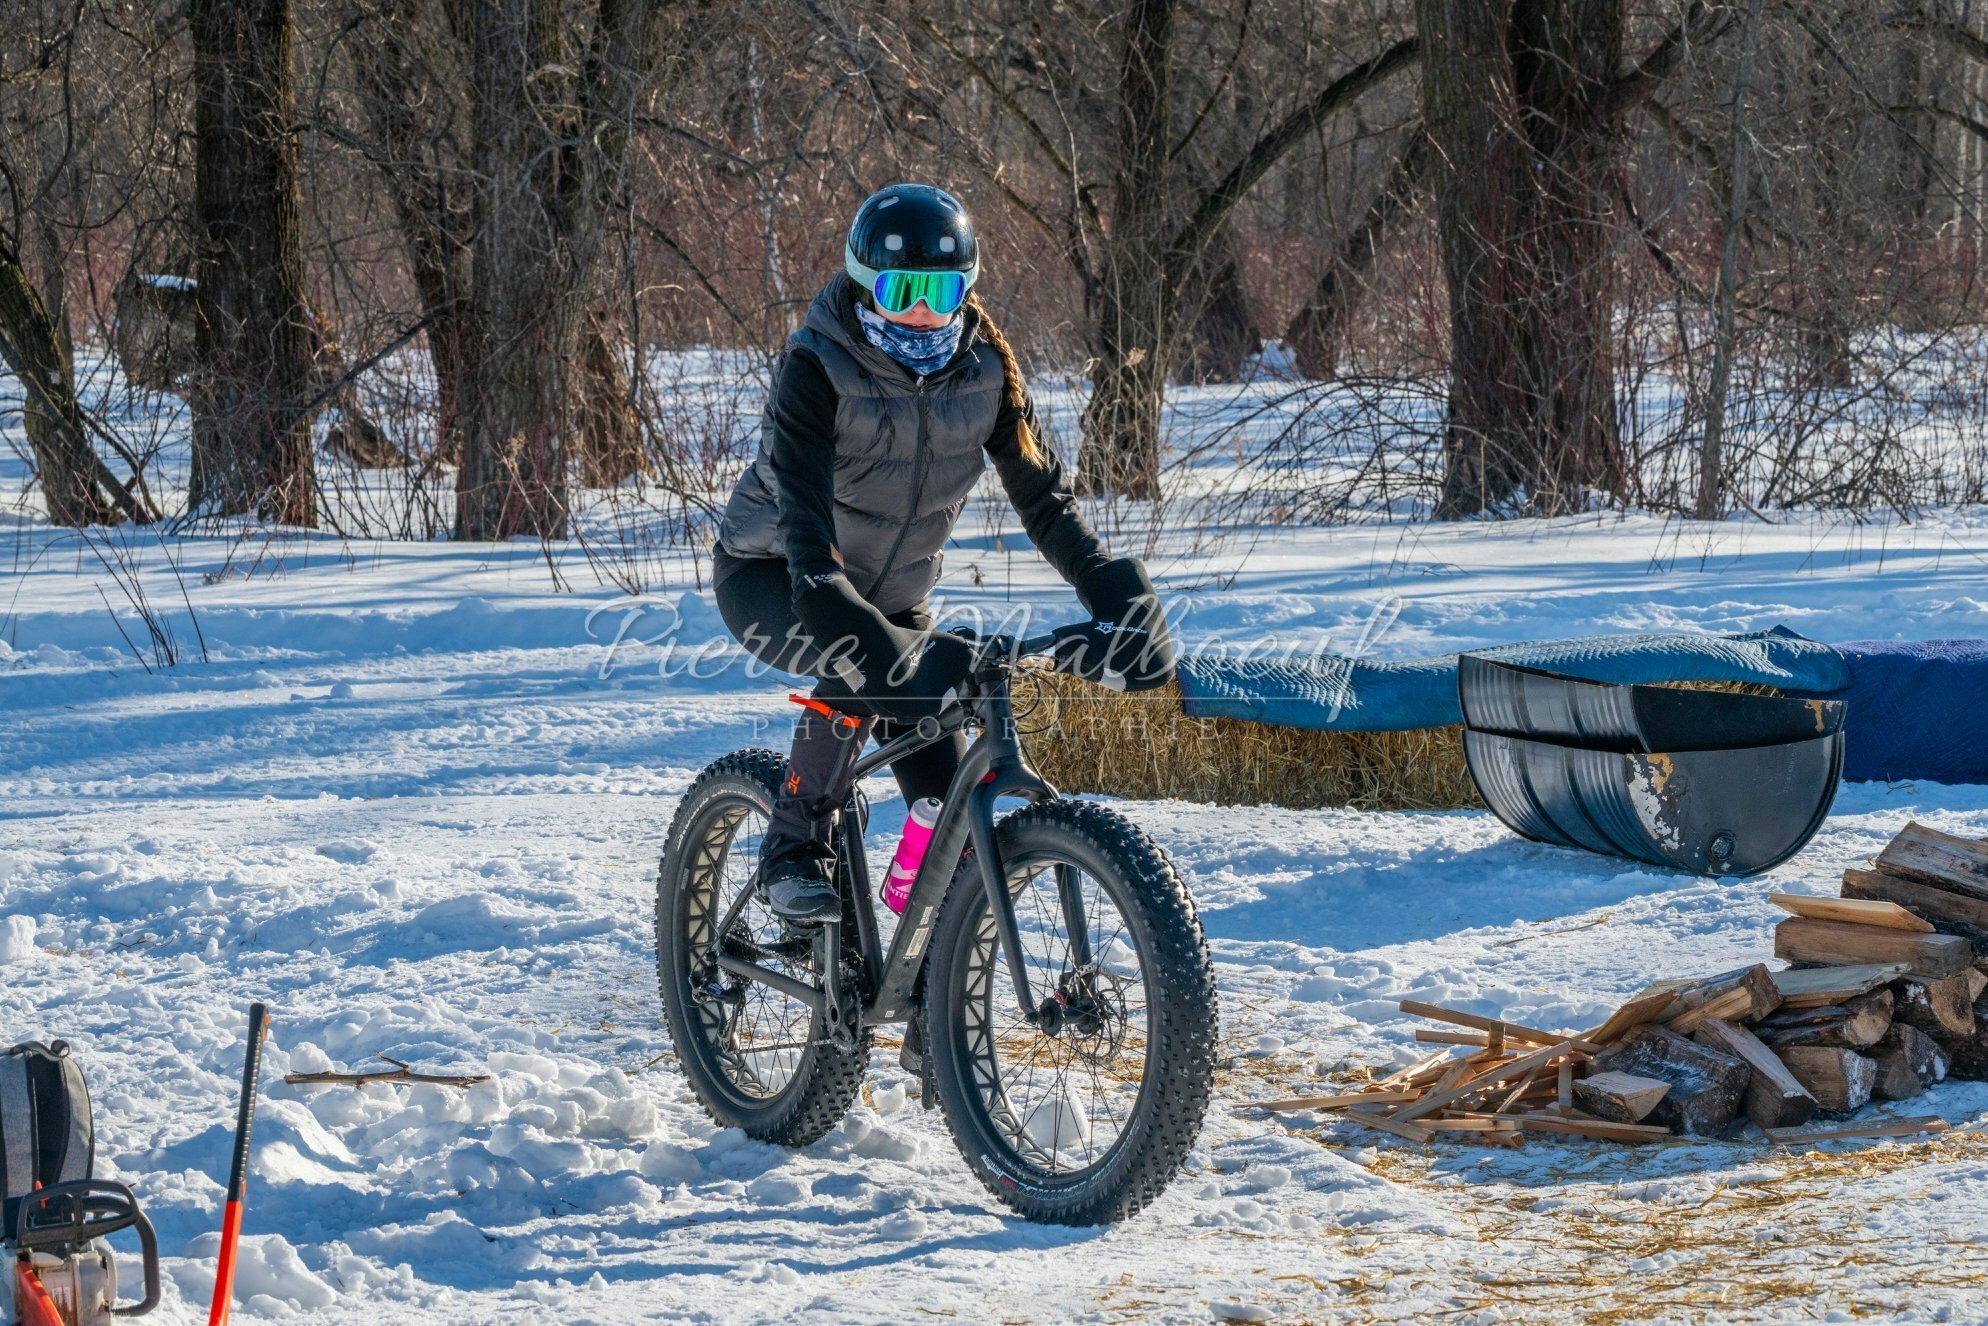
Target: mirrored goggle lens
[[943, 292]]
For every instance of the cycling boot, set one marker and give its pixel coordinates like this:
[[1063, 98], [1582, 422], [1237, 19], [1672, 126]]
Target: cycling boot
[[797, 857]]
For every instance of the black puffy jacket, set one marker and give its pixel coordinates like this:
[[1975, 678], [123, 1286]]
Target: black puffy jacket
[[863, 467]]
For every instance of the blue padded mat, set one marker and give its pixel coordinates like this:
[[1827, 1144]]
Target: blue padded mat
[[1339, 693], [1918, 709]]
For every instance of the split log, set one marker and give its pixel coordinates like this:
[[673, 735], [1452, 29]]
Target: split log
[[1908, 1062], [1798, 939], [1698, 993], [1862, 1021], [1977, 983], [1959, 865], [1839, 1079], [1857, 911], [1774, 1097], [1950, 913], [1939, 1008], [1706, 1084], [1813, 987], [1620, 1097]]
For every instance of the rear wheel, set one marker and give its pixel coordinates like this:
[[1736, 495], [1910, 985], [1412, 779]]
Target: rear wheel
[[757, 1058], [1084, 1113]]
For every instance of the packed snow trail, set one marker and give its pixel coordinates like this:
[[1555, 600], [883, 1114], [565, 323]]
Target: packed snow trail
[[434, 837]]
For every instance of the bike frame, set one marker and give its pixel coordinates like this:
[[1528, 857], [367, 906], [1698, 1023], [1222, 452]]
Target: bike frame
[[994, 766]]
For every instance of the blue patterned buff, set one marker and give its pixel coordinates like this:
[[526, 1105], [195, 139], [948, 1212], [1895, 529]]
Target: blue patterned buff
[[923, 352]]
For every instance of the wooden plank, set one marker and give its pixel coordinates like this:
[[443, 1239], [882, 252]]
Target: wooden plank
[[1959, 910], [1924, 1123], [1858, 911], [1510, 1030], [1598, 1128], [1643, 1008], [1811, 987], [1959, 865], [1799, 939], [1563, 1091], [1370, 1119], [1338, 1102], [1774, 1098], [1469, 1123], [1432, 1036], [1505, 1072]]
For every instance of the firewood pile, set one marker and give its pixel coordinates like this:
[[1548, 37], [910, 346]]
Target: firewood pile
[[1883, 998]]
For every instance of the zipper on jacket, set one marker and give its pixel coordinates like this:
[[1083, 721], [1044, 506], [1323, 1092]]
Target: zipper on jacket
[[917, 494]]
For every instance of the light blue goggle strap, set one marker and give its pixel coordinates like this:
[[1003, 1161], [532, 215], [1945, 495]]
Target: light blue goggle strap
[[866, 276]]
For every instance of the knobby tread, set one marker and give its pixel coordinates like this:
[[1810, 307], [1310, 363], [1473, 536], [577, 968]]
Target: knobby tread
[[821, 1093], [1183, 1015]]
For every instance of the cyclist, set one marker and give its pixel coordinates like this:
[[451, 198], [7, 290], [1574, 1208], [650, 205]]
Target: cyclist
[[884, 409]]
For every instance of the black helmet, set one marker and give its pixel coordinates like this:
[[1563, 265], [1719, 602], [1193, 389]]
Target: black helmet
[[911, 227]]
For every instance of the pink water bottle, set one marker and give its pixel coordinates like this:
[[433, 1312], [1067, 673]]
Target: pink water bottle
[[910, 853]]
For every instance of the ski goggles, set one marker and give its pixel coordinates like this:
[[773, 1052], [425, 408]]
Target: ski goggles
[[896, 290]]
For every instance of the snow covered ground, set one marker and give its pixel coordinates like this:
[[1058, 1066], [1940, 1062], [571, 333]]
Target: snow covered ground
[[413, 797]]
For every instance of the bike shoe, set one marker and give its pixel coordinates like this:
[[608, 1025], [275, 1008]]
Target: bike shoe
[[801, 895]]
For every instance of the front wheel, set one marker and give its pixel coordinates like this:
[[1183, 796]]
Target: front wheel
[[1084, 1113]]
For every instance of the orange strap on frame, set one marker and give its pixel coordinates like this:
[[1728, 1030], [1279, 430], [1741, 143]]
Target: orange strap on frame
[[31, 1300], [840, 719]]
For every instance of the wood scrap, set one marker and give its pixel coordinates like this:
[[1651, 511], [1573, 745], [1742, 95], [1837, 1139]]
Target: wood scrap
[[1435, 1100], [1958, 865], [400, 1072], [1774, 1097], [1799, 939], [1839, 1079], [1706, 1084], [1620, 1097], [1858, 911], [1908, 1062], [1812, 987], [1925, 1123], [1977, 982], [1372, 1118]]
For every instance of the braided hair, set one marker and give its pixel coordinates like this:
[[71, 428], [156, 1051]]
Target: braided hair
[[1011, 372]]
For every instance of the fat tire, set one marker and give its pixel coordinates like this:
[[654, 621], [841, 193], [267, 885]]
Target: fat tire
[[1182, 1011], [828, 1079]]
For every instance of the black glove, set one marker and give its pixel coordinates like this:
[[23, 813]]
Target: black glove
[[870, 666], [1125, 645]]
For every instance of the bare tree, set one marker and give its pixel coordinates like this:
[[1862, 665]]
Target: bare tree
[[251, 424]]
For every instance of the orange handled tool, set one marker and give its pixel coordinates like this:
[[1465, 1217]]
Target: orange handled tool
[[231, 1219]]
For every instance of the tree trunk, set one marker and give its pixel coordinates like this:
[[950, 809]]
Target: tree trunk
[[31, 347], [1223, 330], [1516, 96], [421, 166], [1318, 332], [1132, 315], [251, 432]]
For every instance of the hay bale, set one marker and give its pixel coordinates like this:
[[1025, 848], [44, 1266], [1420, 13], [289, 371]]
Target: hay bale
[[1085, 739]]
